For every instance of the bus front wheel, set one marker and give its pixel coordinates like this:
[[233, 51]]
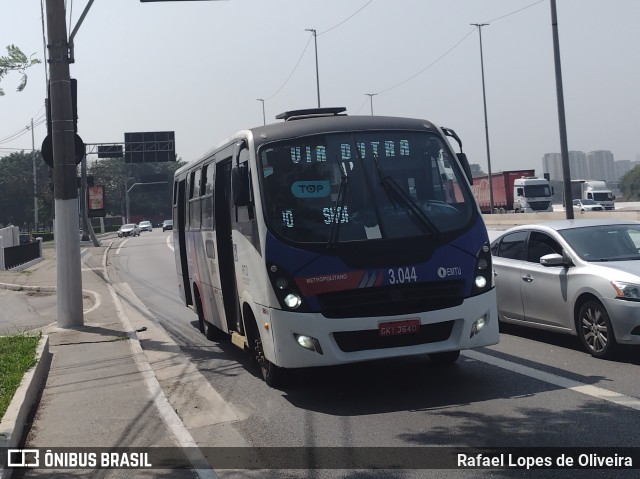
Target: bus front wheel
[[273, 375]]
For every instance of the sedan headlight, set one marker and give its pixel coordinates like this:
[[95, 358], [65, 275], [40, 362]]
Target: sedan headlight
[[628, 291]]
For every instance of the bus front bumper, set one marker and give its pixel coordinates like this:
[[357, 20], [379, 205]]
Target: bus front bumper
[[310, 339]]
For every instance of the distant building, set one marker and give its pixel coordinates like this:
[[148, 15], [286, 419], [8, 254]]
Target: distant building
[[552, 164], [600, 165], [621, 167]]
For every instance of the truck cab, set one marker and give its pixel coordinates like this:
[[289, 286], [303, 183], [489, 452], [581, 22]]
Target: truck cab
[[531, 194], [599, 192]]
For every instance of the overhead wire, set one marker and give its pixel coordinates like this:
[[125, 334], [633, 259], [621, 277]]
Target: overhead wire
[[13, 136], [429, 65], [307, 46], [361, 106], [515, 11], [346, 19], [292, 71], [453, 48]]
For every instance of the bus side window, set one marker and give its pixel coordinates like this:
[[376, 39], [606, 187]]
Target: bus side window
[[245, 211], [194, 199], [206, 192]]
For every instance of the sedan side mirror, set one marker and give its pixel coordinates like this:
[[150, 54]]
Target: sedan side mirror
[[555, 259]]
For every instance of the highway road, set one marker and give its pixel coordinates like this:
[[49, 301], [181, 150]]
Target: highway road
[[533, 389]]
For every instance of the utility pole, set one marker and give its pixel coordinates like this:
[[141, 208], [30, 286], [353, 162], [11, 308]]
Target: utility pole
[[68, 271], [486, 124], [264, 118], [371, 95], [315, 40], [564, 149]]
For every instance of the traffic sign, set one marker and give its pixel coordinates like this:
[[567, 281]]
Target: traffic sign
[[47, 149]]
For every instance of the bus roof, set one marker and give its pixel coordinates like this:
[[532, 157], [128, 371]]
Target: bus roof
[[328, 124], [310, 125]]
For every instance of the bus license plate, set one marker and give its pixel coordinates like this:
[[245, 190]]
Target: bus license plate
[[392, 328]]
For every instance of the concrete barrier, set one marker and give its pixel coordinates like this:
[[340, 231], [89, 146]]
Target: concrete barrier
[[514, 219]]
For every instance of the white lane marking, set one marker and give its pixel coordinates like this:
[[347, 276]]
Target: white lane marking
[[97, 300], [171, 418], [120, 246], [586, 389], [170, 242]]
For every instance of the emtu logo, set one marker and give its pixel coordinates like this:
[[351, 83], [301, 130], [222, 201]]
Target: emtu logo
[[453, 271]]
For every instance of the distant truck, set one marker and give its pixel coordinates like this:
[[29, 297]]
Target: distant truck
[[595, 190], [519, 191]]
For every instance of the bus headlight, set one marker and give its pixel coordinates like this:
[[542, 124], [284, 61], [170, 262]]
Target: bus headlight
[[307, 342], [285, 289], [292, 301], [480, 282], [483, 275], [478, 325]]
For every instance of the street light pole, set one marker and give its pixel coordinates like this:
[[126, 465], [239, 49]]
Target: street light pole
[[264, 118], [564, 149], [371, 95], [315, 40], [132, 187], [486, 124]]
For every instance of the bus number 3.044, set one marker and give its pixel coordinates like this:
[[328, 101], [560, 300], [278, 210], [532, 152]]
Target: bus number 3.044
[[402, 275]]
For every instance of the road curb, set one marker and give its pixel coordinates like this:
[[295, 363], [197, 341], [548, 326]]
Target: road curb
[[24, 287], [14, 419]]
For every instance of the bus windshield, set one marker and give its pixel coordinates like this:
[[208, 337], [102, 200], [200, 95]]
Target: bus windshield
[[357, 186]]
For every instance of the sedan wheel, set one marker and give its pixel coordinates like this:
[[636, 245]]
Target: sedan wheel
[[595, 331]]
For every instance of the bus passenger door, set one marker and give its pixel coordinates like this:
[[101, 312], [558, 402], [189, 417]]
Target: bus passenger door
[[179, 234], [223, 208]]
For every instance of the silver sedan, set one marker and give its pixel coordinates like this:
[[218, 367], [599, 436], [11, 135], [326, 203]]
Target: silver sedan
[[580, 277]]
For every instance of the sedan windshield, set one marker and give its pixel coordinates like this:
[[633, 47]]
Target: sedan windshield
[[363, 186], [605, 243]]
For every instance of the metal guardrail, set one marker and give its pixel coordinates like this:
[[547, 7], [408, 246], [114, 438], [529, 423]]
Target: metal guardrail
[[16, 255]]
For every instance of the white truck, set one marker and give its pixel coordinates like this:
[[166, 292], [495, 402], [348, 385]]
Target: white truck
[[531, 194], [515, 190], [598, 191]]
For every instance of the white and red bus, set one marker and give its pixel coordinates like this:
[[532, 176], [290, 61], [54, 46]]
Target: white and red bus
[[328, 239]]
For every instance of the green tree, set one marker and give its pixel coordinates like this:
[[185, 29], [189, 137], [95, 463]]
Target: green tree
[[16, 61], [630, 184], [17, 191], [476, 170], [148, 201]]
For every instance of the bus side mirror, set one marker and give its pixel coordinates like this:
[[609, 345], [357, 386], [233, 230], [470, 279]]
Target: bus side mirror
[[240, 185], [462, 158]]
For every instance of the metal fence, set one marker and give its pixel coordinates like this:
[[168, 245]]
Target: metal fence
[[16, 255]]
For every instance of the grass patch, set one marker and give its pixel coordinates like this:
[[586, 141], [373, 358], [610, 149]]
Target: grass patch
[[17, 355]]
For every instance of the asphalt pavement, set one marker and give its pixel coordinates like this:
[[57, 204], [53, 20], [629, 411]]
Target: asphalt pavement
[[96, 390]]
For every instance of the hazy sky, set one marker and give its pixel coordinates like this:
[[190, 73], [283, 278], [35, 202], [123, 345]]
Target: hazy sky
[[197, 68]]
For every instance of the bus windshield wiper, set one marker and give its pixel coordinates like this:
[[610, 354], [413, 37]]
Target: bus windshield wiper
[[338, 208], [397, 195]]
